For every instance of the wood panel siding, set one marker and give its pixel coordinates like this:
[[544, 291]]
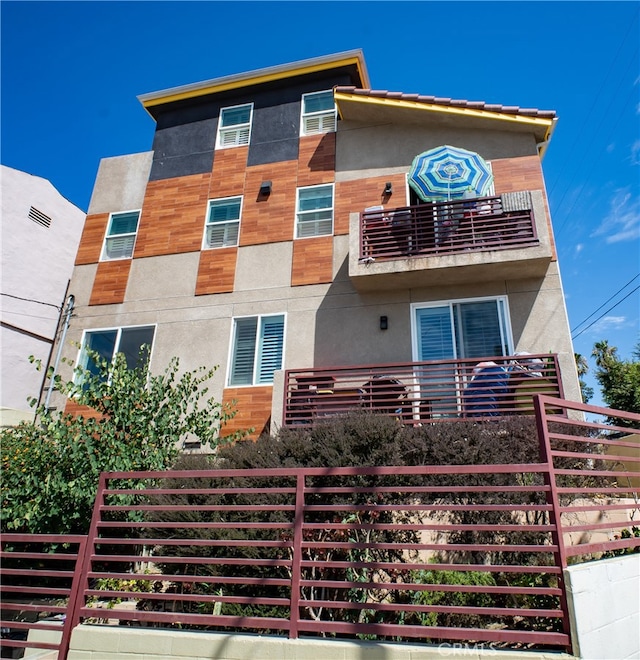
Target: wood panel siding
[[90, 246], [524, 173], [110, 283], [216, 271], [173, 216], [354, 196], [229, 167], [514, 174], [254, 409], [312, 261], [317, 159], [269, 219], [72, 407]]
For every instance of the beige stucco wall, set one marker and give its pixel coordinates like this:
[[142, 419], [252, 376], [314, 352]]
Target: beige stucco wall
[[337, 323], [122, 643], [121, 183], [372, 149]]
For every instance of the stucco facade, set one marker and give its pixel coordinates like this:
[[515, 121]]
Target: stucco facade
[[40, 234], [330, 301]]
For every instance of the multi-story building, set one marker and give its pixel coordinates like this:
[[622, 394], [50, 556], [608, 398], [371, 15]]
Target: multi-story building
[[273, 230], [40, 234]]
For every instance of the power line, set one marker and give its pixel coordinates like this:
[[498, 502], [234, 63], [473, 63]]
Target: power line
[[605, 313], [635, 277], [39, 302]]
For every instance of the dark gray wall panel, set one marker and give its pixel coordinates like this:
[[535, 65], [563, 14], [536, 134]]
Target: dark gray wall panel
[[188, 146], [168, 168], [186, 129], [274, 134]]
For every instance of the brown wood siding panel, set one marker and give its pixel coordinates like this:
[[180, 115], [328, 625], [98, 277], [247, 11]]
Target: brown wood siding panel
[[74, 408], [524, 173], [110, 283], [253, 405], [229, 167], [173, 216], [317, 159], [355, 196], [92, 238], [514, 174], [216, 271], [312, 261], [269, 220]]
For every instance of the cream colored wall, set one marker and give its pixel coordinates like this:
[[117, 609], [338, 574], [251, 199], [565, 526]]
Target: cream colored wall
[[328, 324], [124, 643], [365, 150]]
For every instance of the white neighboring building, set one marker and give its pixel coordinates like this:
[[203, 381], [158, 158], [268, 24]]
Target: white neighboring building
[[40, 232]]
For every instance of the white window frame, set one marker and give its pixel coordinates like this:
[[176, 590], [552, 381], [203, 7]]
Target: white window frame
[[300, 214], [107, 237], [260, 318], [82, 356], [222, 223], [506, 332], [235, 135], [326, 120]]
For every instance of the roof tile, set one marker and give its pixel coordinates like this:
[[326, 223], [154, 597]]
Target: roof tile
[[458, 103]]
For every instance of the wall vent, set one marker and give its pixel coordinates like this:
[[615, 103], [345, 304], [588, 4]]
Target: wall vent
[[39, 217]]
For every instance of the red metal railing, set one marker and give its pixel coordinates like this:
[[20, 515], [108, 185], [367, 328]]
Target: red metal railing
[[446, 552], [423, 392], [332, 552], [445, 228], [594, 476], [39, 577]]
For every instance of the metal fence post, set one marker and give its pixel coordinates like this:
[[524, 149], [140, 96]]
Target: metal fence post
[[296, 564], [546, 457]]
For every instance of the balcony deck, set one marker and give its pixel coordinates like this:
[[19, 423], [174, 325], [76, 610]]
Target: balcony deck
[[484, 223], [481, 239], [423, 392]]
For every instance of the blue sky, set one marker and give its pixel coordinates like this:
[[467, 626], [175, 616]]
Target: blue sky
[[71, 72]]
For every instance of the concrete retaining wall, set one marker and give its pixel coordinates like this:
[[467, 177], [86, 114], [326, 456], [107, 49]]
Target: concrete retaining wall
[[122, 643], [604, 603]]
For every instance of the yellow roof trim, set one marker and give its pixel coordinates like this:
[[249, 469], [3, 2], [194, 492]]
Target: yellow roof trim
[[446, 109], [254, 78]]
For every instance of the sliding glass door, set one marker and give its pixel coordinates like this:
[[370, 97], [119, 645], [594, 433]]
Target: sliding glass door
[[475, 328]]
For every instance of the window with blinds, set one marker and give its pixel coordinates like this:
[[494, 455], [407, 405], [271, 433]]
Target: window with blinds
[[462, 329], [234, 126], [223, 222], [314, 211], [121, 235], [318, 113], [257, 350]]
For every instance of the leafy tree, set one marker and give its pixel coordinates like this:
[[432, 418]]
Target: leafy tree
[[133, 421], [619, 379], [583, 367]]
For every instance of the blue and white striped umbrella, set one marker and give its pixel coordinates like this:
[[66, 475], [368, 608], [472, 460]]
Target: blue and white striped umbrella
[[447, 172]]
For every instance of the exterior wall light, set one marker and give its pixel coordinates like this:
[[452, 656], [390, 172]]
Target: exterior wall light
[[384, 323], [265, 189], [388, 188]]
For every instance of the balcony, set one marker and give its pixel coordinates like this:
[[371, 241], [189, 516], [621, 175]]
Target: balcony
[[417, 393], [476, 239]]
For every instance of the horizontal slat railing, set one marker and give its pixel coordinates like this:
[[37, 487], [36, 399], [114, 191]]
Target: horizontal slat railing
[[39, 579], [423, 392], [594, 453], [417, 553], [444, 228]]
